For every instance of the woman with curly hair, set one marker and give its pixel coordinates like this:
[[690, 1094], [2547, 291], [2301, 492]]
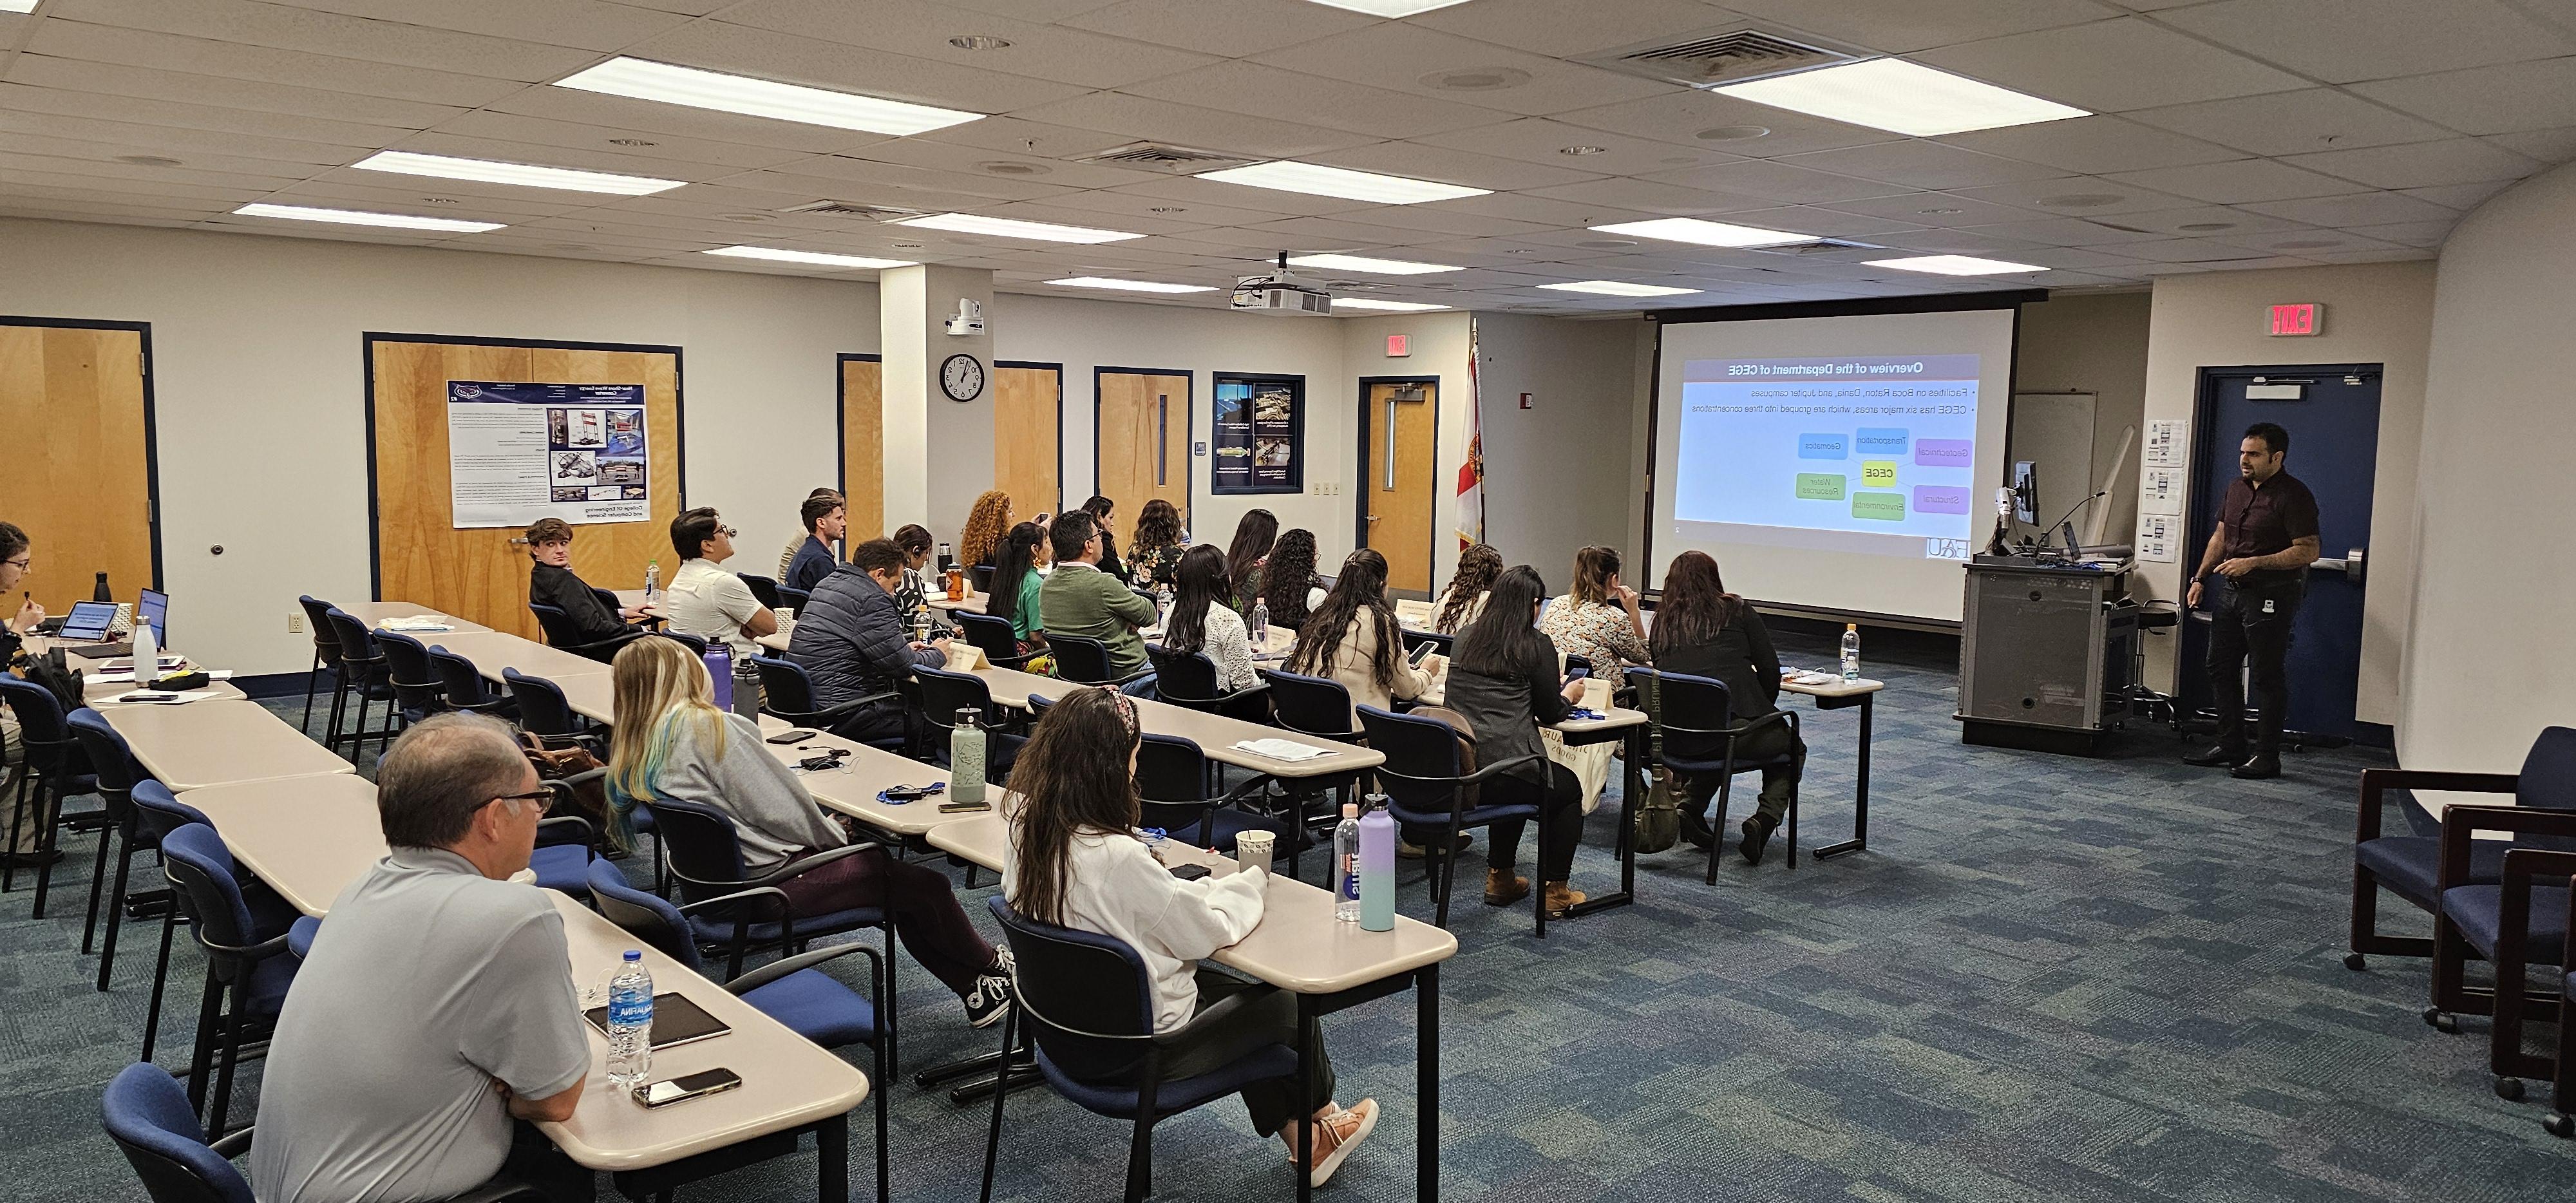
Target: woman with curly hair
[[986, 523], [1154, 554], [1289, 584], [1478, 565]]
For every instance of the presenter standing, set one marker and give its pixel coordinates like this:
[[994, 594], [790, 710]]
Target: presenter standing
[[2257, 561]]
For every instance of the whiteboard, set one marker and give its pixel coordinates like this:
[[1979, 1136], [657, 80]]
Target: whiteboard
[[2055, 431]]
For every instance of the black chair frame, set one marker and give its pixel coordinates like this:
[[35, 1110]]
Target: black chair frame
[[2375, 784], [1727, 768]]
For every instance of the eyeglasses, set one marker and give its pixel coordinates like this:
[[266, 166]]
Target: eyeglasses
[[727, 531], [22, 563], [539, 795]]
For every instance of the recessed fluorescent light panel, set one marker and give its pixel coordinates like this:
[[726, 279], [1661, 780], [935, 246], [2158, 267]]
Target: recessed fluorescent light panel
[[667, 83], [1004, 227], [1956, 265], [1387, 306], [1374, 267], [404, 162], [817, 258], [1317, 180], [1389, 8], [28, 6], [1620, 288], [351, 217], [1128, 285], [1704, 233], [1901, 97]]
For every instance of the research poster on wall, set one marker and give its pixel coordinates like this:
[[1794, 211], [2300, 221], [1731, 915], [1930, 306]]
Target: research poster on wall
[[520, 452], [1258, 434]]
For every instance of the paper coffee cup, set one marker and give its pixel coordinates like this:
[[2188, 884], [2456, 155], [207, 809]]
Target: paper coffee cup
[[1253, 848]]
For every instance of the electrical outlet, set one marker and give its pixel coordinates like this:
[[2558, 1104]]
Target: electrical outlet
[[294, 624]]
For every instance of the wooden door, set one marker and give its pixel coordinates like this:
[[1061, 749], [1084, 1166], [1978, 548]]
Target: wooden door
[[78, 474], [1396, 493], [1028, 400], [1143, 440], [863, 446], [478, 573]]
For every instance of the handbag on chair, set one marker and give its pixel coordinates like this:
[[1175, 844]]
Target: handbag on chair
[[1659, 821], [588, 797]]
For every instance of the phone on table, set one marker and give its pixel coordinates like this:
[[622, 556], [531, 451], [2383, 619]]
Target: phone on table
[[955, 807], [824, 763], [1189, 872], [912, 793], [687, 1086], [789, 737]]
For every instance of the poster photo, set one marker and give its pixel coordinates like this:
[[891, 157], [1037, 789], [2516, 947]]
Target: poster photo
[[520, 452], [1258, 434]]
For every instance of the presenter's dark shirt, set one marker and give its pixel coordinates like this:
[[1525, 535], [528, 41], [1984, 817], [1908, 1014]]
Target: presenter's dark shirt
[[2264, 521]]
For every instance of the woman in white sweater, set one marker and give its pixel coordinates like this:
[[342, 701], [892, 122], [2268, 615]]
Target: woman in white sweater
[[1353, 638], [1073, 860]]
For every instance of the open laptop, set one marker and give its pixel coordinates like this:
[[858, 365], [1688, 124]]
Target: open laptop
[[88, 621], [154, 608]]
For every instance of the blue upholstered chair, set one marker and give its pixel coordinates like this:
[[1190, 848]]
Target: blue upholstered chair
[[787, 694], [793, 991], [1429, 775], [1189, 679], [993, 635], [464, 687], [1699, 711], [2410, 865], [1079, 994], [2521, 921], [117, 771], [245, 961], [157, 813], [418, 692], [1172, 777], [1085, 661], [795, 600], [326, 658], [369, 678], [763, 589], [560, 633], [56, 768], [943, 694]]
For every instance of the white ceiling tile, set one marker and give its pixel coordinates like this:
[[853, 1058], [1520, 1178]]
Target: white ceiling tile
[[1423, 223], [272, 175], [2185, 250], [2420, 164], [879, 175], [649, 119], [2093, 144], [1966, 242], [2546, 145], [1680, 116], [49, 186], [2400, 255], [2196, 222], [1105, 203], [1918, 163], [587, 24], [2408, 233], [2112, 66], [666, 154], [1227, 28], [2363, 209], [2341, 41], [798, 188], [196, 158], [1192, 125], [2487, 100], [1260, 91], [1778, 181], [1651, 196], [592, 157], [2077, 196], [2303, 241], [2288, 123], [99, 106], [178, 143], [2460, 196], [1562, 30], [1424, 161], [920, 29], [1409, 58], [2060, 231], [1898, 26], [2238, 182], [256, 24], [1542, 140], [975, 160], [1190, 190], [44, 71], [1544, 210], [1019, 137], [1836, 221], [235, 60], [343, 190], [768, 54], [1048, 210], [1939, 209]]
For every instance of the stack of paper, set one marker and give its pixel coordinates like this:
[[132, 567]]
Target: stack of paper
[[1279, 749], [417, 623]]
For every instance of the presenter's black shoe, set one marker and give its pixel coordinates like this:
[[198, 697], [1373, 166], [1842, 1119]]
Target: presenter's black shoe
[[1757, 836], [2257, 768], [2216, 756]]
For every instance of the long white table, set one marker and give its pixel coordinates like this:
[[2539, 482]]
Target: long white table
[[218, 743]]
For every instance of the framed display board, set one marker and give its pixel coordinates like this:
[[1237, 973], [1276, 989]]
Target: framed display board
[[1257, 439]]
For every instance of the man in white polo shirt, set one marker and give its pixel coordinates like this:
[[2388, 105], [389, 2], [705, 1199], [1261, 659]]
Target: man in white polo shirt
[[706, 599], [436, 1013]]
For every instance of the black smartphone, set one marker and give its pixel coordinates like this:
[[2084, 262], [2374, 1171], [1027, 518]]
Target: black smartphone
[[950, 808], [688, 1086], [1189, 872], [1422, 652], [789, 737]]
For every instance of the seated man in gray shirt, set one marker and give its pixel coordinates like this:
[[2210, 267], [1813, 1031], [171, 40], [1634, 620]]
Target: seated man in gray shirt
[[437, 1006]]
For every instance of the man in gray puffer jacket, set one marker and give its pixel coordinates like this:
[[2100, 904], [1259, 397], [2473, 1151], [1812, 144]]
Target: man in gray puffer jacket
[[851, 640]]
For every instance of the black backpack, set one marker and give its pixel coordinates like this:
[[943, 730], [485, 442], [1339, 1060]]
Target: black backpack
[[51, 671]]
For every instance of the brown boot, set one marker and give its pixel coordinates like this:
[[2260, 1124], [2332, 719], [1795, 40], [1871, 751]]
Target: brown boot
[[1504, 888], [1562, 898]]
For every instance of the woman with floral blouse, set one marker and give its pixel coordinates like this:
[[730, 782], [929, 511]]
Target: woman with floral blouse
[[1598, 619]]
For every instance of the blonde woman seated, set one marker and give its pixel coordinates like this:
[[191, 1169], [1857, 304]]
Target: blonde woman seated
[[670, 742]]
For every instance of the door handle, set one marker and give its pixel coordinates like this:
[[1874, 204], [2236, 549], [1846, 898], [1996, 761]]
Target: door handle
[[1373, 517], [2350, 565]]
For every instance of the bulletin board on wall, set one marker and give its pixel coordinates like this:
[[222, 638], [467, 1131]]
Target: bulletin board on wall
[[420, 554]]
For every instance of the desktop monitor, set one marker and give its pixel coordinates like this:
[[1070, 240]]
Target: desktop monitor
[[154, 608], [2025, 489]]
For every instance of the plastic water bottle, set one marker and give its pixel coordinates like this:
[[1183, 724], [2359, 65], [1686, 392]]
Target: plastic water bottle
[[966, 757], [652, 581], [720, 671], [1851, 651], [1346, 865], [1163, 607], [1377, 866], [1260, 623], [746, 691], [630, 1022]]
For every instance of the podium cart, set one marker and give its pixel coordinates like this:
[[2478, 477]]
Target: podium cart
[[2045, 644]]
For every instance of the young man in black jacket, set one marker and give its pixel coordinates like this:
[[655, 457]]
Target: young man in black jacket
[[551, 583]]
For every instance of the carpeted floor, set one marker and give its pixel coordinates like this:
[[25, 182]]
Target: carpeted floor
[[2048, 979]]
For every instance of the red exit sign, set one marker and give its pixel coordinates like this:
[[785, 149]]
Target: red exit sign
[[2303, 318]]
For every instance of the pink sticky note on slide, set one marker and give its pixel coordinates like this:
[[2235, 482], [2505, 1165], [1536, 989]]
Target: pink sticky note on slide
[[1940, 499], [1945, 453]]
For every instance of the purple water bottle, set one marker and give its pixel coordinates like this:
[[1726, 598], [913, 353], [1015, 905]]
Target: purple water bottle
[[720, 667], [1377, 866]]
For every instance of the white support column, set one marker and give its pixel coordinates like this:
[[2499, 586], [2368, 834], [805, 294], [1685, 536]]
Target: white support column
[[938, 451]]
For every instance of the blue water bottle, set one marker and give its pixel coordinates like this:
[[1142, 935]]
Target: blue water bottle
[[720, 668]]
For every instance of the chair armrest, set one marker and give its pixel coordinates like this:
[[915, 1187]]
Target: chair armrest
[[773, 893], [2520, 866], [2375, 783], [832, 715], [804, 865], [250, 952], [299, 936], [2460, 823], [1499, 766], [232, 1144], [554, 832], [501, 1190], [803, 961]]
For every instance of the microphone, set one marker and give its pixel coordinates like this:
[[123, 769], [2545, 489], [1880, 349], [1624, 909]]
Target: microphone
[[2070, 512]]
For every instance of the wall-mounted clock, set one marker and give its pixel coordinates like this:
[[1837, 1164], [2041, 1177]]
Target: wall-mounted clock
[[962, 378]]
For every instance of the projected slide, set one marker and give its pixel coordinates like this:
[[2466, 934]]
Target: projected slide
[[1852, 445]]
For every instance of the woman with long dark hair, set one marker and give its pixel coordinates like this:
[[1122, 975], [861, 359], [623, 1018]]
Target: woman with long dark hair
[[1244, 557], [1505, 682], [1098, 507], [1073, 860], [1154, 554], [1478, 565], [1353, 638], [1289, 582], [1701, 630], [1015, 586], [1200, 621]]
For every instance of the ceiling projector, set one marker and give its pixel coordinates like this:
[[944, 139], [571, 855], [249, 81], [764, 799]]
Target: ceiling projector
[[1281, 292]]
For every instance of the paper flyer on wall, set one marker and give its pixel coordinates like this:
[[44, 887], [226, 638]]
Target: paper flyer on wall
[[2160, 490], [520, 452], [2168, 440], [2159, 537], [1259, 434]]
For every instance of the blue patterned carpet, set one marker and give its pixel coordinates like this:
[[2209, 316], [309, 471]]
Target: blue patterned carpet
[[2049, 979]]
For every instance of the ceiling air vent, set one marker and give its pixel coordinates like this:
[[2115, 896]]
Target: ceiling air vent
[[1158, 156], [1819, 246], [1732, 56], [833, 208]]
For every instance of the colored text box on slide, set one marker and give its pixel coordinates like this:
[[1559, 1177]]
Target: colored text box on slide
[[1881, 440], [1940, 499], [1878, 474], [1946, 453], [1879, 507], [1820, 486], [1823, 446]]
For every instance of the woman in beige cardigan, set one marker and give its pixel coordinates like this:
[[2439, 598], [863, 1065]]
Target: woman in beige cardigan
[[1353, 638]]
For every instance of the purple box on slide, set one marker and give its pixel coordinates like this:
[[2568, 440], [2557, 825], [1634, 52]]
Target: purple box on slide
[[1945, 453], [1940, 499]]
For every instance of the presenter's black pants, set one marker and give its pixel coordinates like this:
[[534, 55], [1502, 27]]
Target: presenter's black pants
[[2252, 623]]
